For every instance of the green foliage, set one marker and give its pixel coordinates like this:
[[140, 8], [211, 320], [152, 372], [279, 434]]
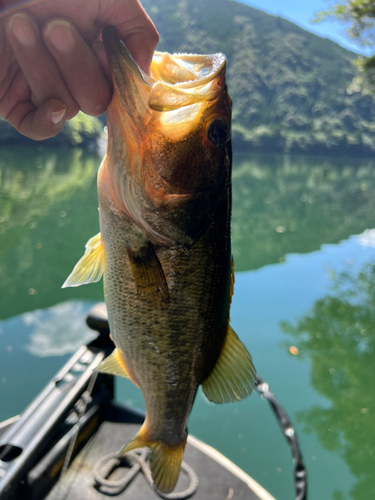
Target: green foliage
[[359, 18], [289, 87], [358, 15], [83, 131]]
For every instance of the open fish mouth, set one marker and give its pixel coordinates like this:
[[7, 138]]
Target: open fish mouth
[[175, 82]]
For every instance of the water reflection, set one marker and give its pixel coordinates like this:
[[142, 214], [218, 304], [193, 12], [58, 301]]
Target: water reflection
[[29, 346], [48, 210], [367, 239], [338, 339], [31, 183], [58, 330], [294, 205], [47, 203]]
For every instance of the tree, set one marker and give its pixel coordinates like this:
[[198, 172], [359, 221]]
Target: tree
[[359, 17]]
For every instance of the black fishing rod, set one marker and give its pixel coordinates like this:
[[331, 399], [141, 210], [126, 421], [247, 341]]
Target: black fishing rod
[[300, 473]]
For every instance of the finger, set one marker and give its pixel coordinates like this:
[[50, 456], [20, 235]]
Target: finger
[[99, 51], [78, 65], [38, 123], [17, 108], [135, 28], [37, 64]]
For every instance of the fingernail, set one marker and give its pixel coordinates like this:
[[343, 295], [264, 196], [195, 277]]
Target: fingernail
[[58, 116], [22, 29], [60, 35]]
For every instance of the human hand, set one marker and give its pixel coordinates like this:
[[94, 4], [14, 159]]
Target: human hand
[[53, 63]]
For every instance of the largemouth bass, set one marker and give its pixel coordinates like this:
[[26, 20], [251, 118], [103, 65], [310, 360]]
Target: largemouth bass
[[164, 249]]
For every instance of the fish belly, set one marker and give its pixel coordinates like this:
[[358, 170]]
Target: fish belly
[[168, 349]]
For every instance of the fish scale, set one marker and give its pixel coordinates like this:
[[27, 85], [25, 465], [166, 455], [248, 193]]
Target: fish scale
[[194, 317], [164, 248]]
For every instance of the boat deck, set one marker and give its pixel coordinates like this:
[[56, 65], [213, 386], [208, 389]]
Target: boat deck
[[216, 481]]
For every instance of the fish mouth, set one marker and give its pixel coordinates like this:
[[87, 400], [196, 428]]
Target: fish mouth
[[121, 63], [176, 81], [186, 79]]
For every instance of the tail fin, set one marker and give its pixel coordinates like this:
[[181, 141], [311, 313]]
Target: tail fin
[[165, 461]]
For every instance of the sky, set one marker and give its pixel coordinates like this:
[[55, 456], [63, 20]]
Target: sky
[[301, 12]]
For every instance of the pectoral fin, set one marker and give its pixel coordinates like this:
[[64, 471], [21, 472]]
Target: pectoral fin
[[233, 376], [89, 269], [113, 365], [148, 275]]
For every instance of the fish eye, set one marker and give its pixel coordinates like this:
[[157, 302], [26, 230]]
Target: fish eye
[[218, 132]]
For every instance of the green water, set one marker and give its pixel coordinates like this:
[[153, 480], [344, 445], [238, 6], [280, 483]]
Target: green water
[[305, 277]]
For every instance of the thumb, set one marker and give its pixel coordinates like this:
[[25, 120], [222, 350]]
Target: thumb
[[135, 29]]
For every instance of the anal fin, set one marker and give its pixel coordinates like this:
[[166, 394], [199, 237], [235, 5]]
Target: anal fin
[[148, 275], [233, 376]]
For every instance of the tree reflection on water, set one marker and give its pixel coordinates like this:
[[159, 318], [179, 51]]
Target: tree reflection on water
[[48, 202], [338, 338], [32, 181], [295, 204]]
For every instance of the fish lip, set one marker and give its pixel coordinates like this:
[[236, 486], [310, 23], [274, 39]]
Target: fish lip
[[129, 80], [118, 54], [217, 61]]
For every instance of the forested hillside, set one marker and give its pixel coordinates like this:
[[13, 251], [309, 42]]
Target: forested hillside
[[289, 87]]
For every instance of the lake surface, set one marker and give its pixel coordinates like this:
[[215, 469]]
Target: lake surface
[[305, 283]]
